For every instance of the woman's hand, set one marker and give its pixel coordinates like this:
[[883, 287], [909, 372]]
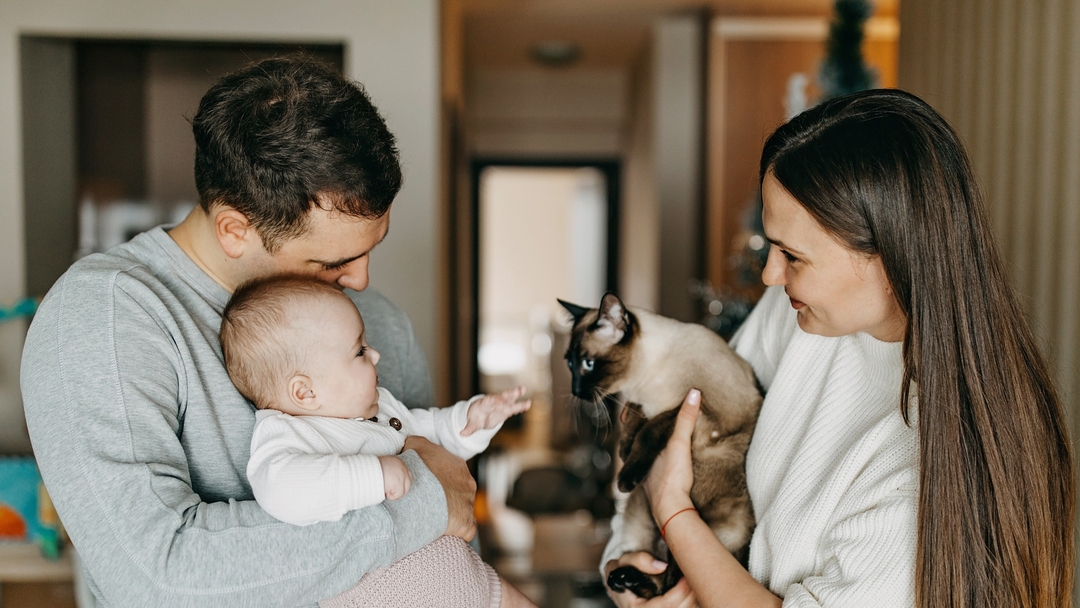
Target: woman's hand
[[678, 596], [669, 481]]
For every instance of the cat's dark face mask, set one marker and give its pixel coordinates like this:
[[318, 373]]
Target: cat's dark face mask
[[600, 347]]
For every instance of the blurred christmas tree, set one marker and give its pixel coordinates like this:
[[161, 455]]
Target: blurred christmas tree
[[842, 71]]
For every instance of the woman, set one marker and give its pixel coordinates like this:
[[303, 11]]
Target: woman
[[911, 449]]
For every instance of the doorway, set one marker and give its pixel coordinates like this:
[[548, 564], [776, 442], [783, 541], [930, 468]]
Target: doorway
[[544, 230]]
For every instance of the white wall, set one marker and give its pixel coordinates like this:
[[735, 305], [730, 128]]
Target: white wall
[[391, 47], [639, 219], [678, 131]]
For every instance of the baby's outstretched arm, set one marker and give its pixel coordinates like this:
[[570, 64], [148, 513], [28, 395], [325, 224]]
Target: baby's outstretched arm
[[397, 478], [492, 410]]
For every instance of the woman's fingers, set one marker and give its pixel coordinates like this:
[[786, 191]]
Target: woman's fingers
[[672, 475], [680, 595], [642, 561], [688, 414]]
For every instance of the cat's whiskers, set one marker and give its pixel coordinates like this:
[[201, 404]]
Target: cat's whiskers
[[597, 412]]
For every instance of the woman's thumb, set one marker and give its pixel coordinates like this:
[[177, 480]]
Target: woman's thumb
[[688, 413]]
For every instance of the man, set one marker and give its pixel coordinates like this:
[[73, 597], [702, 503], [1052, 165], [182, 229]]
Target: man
[[140, 437]]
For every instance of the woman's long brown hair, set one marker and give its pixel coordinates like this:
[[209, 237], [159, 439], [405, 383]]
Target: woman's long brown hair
[[886, 175]]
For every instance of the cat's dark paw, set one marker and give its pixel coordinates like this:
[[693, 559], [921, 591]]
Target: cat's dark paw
[[631, 475], [629, 578]]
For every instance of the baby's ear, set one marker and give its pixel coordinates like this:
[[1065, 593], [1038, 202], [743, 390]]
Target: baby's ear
[[301, 393]]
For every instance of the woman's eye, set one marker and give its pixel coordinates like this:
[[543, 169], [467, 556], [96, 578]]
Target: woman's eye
[[787, 256], [363, 349], [587, 365]]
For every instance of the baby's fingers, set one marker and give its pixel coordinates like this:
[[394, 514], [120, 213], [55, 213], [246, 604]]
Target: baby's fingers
[[513, 394]]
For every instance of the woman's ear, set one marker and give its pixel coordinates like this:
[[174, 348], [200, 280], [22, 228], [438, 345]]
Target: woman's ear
[[301, 393], [234, 231]]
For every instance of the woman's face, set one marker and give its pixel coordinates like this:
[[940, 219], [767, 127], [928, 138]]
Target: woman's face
[[836, 291]]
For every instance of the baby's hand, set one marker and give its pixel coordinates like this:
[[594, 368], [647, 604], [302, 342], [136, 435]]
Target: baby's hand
[[490, 411], [397, 478]]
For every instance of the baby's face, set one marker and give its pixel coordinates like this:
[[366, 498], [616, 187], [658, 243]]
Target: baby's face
[[343, 368]]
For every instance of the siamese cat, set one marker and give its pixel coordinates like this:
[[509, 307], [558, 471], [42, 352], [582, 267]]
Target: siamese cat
[[653, 361]]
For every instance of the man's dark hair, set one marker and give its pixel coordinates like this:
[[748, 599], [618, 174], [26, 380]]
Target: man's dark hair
[[283, 135]]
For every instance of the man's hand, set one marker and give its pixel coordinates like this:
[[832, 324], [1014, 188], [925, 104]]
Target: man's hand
[[490, 411], [397, 478], [457, 483], [679, 596]]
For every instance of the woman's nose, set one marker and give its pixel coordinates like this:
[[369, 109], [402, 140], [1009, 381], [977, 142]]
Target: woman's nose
[[773, 273]]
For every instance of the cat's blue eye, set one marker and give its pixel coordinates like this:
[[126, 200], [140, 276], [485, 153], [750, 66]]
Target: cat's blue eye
[[587, 365], [570, 364]]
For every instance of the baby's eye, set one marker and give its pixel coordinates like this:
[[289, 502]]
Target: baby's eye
[[363, 349], [587, 365]]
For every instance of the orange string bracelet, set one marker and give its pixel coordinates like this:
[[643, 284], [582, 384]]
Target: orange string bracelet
[[664, 527]]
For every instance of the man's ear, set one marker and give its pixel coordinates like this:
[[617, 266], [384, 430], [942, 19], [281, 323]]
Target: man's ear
[[301, 393], [234, 231]]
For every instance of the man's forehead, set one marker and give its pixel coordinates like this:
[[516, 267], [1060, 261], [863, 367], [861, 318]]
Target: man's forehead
[[332, 232]]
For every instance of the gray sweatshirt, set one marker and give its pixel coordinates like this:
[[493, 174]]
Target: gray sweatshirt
[[143, 442]]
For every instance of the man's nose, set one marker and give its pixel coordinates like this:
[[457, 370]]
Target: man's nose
[[355, 279]]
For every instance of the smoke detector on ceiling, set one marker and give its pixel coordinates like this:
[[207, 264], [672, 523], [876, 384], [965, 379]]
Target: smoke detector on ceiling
[[555, 53]]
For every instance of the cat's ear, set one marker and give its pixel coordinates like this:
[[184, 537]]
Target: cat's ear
[[613, 316], [575, 311]]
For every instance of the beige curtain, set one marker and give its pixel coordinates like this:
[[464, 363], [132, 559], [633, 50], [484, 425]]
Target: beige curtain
[[1006, 73]]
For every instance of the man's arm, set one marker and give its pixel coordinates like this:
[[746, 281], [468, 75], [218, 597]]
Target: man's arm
[[106, 432]]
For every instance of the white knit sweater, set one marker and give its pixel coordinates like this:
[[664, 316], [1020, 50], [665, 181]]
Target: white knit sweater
[[832, 468], [307, 469]]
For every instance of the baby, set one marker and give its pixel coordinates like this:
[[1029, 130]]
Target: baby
[[326, 435]]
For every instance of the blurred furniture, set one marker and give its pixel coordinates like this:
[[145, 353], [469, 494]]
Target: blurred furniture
[[28, 580]]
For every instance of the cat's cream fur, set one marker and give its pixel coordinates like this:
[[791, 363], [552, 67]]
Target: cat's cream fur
[[653, 362]]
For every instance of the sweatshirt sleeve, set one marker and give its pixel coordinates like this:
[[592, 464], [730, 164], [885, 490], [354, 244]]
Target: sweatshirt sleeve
[[300, 486], [104, 408]]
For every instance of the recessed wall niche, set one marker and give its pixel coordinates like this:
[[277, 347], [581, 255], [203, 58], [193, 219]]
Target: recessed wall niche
[[107, 146]]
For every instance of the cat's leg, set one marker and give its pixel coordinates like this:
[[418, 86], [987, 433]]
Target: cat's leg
[[639, 534], [650, 440], [632, 420], [720, 492]]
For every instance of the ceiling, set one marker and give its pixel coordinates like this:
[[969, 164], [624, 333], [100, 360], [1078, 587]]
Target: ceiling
[[611, 33]]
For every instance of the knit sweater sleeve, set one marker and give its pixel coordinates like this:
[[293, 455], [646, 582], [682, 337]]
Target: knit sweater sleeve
[[300, 485], [867, 554], [442, 425]]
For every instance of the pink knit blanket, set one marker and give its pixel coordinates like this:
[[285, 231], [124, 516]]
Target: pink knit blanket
[[444, 574]]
